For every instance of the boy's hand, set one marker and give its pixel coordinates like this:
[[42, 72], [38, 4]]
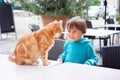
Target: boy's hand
[[86, 64], [60, 60]]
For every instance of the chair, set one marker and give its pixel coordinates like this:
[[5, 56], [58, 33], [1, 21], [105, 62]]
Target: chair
[[33, 27], [110, 21], [56, 50], [89, 25], [111, 56], [6, 19]]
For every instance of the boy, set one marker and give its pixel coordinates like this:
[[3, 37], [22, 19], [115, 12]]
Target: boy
[[78, 49]]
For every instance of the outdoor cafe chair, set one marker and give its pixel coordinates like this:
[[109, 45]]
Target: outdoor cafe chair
[[6, 19], [89, 25], [111, 56], [56, 50], [33, 27]]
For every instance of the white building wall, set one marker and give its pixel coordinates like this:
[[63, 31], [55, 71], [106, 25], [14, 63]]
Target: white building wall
[[113, 3]]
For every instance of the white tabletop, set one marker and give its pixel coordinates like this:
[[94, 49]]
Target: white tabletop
[[72, 71], [12, 71], [55, 71], [108, 25], [112, 25], [100, 32]]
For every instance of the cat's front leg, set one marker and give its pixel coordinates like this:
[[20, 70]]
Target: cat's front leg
[[35, 63], [45, 61]]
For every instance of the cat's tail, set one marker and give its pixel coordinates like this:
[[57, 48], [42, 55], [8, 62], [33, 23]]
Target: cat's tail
[[12, 58]]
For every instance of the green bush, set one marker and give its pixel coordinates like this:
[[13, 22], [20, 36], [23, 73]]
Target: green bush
[[54, 8]]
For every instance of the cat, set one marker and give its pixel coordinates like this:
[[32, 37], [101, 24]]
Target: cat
[[36, 45]]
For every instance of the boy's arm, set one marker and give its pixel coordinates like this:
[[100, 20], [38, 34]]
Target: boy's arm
[[92, 57], [62, 56]]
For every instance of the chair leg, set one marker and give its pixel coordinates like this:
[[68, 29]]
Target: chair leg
[[100, 47], [7, 35], [110, 40], [0, 33], [105, 42], [15, 34]]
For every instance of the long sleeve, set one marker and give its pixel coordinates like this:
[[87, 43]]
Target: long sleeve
[[81, 52], [63, 55], [91, 55]]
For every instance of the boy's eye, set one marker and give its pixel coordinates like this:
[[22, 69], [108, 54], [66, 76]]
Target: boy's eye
[[68, 31], [74, 31]]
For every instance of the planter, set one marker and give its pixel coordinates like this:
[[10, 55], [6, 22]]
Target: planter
[[46, 20]]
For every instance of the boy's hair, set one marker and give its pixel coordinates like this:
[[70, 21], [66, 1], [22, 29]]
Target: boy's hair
[[77, 22]]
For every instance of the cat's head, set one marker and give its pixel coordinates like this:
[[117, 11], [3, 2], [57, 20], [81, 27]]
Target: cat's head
[[55, 26], [59, 27]]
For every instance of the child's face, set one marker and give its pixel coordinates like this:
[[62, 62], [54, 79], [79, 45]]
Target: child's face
[[74, 34]]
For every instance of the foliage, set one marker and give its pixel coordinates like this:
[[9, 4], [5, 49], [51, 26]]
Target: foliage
[[59, 7], [56, 7], [93, 2]]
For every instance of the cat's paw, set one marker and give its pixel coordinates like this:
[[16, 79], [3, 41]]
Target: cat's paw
[[46, 63], [35, 63]]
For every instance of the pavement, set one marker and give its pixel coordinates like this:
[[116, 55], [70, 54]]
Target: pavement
[[22, 22]]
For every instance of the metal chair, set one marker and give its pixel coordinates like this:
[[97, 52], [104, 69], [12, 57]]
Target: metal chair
[[89, 25], [56, 50], [33, 27], [110, 21], [111, 56], [6, 19]]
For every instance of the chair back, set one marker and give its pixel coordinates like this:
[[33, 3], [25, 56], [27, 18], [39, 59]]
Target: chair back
[[34, 27], [6, 18], [89, 24], [110, 21], [111, 56], [56, 50]]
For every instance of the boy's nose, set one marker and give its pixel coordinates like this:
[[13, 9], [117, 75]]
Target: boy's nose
[[71, 34]]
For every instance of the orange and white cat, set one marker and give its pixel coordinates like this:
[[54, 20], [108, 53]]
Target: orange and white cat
[[36, 45]]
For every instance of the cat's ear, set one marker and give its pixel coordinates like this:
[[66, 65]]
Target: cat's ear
[[55, 21], [60, 22]]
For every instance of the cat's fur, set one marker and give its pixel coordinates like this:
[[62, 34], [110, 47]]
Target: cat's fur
[[36, 44]]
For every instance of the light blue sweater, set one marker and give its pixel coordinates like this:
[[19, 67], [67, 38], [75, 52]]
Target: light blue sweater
[[80, 51]]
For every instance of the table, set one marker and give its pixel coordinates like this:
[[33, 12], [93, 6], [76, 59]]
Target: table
[[12, 71], [115, 26], [93, 33], [100, 32], [55, 71], [73, 71]]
